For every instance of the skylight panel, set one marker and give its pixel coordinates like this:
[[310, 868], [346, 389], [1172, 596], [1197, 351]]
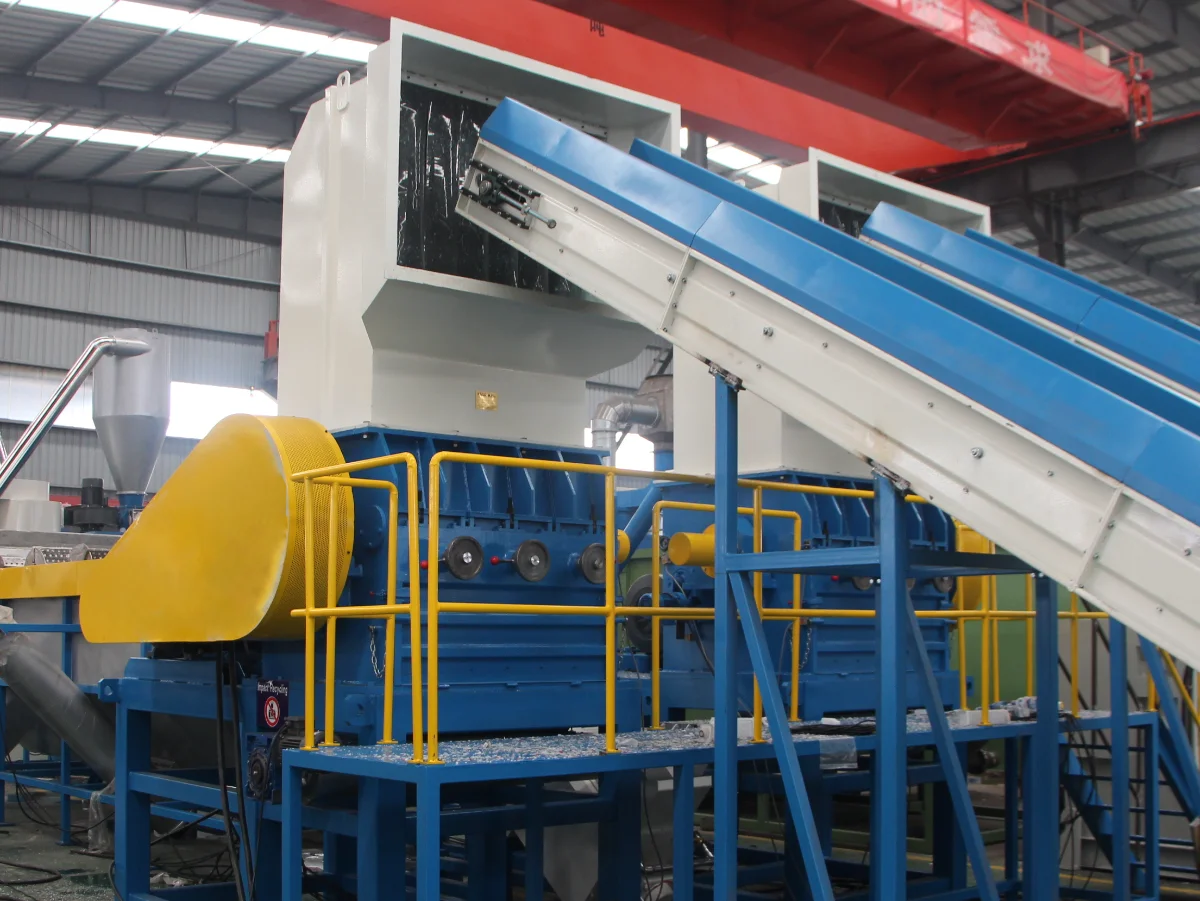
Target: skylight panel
[[85, 8], [239, 151], [733, 157], [290, 39], [147, 15], [221, 27], [769, 173], [345, 48], [136, 139], [181, 145], [71, 132]]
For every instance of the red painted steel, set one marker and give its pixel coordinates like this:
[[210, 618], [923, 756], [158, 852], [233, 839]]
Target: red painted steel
[[759, 114], [958, 71]]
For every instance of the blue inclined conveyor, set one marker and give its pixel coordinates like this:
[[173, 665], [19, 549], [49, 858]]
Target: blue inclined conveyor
[[1082, 458]]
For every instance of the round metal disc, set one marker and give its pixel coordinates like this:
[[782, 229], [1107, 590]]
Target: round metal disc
[[640, 629], [464, 557], [944, 584], [863, 583], [591, 562], [532, 560]]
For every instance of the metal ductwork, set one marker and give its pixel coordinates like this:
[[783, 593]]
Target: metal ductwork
[[131, 406], [58, 701], [123, 345], [617, 414]]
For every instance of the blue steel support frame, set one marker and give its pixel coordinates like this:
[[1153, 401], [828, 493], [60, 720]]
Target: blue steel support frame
[[683, 876], [1040, 877], [725, 766], [889, 789], [725, 802], [1184, 775], [1150, 849], [131, 852], [1118, 675], [64, 752]]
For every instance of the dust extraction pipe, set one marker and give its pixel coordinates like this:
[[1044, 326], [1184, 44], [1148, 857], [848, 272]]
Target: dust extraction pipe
[[59, 702], [32, 436], [617, 414]]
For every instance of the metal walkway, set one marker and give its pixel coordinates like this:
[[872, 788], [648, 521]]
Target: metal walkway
[[1071, 459]]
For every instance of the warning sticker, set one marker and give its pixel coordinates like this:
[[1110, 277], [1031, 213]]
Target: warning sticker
[[272, 704]]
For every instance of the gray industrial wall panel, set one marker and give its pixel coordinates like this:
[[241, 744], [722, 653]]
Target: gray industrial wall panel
[[53, 339], [67, 456], [142, 242], [98, 288]]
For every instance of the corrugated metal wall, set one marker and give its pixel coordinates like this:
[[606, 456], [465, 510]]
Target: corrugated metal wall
[[67, 456], [68, 276]]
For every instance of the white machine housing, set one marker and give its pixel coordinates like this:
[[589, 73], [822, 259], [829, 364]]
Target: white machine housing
[[770, 439], [364, 339]]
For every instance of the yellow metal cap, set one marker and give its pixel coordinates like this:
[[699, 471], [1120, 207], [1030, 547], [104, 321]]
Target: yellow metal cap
[[218, 555]]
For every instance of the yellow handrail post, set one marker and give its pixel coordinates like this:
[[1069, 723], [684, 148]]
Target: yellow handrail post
[[434, 512], [993, 592], [414, 610], [1029, 635], [960, 608], [1181, 685], [758, 600], [310, 624], [389, 634], [610, 613], [985, 662], [331, 626], [797, 623], [656, 634], [1074, 654]]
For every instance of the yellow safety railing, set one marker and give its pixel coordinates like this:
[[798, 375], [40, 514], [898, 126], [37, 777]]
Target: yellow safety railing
[[338, 476], [425, 715], [758, 513]]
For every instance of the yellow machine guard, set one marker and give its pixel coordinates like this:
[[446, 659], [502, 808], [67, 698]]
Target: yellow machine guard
[[218, 555]]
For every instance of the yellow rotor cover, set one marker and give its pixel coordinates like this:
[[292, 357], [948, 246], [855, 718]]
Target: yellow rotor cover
[[218, 555]]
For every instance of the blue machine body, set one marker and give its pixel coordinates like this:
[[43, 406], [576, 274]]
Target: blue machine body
[[839, 673], [499, 673]]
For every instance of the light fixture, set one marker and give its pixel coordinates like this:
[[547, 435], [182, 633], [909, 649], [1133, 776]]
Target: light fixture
[[222, 27], [148, 15], [71, 132], [85, 8], [136, 139], [290, 39], [347, 48], [180, 145], [683, 139], [768, 173], [733, 157]]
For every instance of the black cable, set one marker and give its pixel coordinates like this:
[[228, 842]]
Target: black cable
[[47, 876], [222, 784], [238, 772]]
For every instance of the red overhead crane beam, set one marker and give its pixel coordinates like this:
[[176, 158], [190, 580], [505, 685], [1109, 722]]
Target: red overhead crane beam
[[959, 72], [766, 116]]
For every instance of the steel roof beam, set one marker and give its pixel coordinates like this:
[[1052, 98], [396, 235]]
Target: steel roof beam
[[1177, 26], [1148, 219], [274, 125], [1090, 176], [1137, 262], [152, 41]]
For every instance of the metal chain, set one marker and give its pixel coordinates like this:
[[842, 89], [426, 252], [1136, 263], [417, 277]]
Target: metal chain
[[374, 658]]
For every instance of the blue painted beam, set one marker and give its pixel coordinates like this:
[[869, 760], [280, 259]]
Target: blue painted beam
[[1118, 670], [725, 750], [889, 789], [1174, 747]]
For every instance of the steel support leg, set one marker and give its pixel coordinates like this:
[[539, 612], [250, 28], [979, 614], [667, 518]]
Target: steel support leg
[[620, 847], [1118, 675], [292, 878], [785, 751], [429, 839], [949, 851], [1041, 801], [889, 815], [1012, 822], [1150, 741], [1176, 735], [64, 752], [683, 850], [487, 865], [535, 844], [381, 839], [948, 751], [725, 769], [131, 856]]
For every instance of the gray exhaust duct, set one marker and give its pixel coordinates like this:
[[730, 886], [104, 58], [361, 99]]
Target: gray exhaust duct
[[617, 414], [58, 701]]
